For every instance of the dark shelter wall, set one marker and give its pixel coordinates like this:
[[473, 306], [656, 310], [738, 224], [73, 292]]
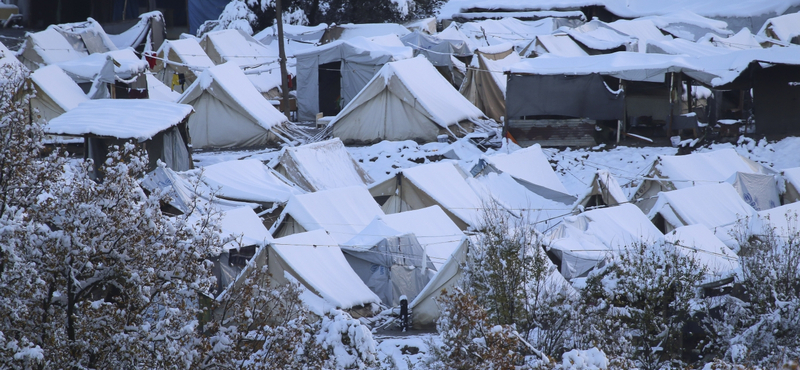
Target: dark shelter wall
[[776, 99], [582, 96]]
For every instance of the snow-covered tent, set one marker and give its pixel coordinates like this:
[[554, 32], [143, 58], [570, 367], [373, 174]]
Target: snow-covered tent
[[231, 113], [785, 28], [406, 100], [150, 31], [440, 183], [583, 242], [56, 93], [248, 234], [791, 177], [391, 263], [492, 32], [559, 44], [598, 37], [235, 46], [424, 308], [434, 230], [760, 191], [47, 47], [158, 126], [603, 191], [342, 212], [157, 90], [709, 251], [642, 29], [349, 31], [679, 172], [485, 84], [320, 166], [315, 260], [532, 170], [330, 76], [442, 54], [293, 34], [715, 206], [782, 223], [121, 71], [184, 56]]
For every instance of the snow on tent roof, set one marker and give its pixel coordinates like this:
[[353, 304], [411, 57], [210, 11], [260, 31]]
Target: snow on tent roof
[[452, 32], [700, 243], [139, 32], [243, 222], [511, 30], [445, 183], [684, 47], [703, 168], [234, 83], [534, 209], [642, 29], [53, 82], [561, 45], [688, 25], [433, 229], [628, 8], [742, 40], [87, 35], [343, 212], [307, 34], [322, 165], [50, 47], [189, 51], [320, 265], [784, 28], [235, 46], [349, 31], [784, 221], [529, 164], [85, 69], [371, 235], [363, 47], [248, 180], [598, 36], [139, 119], [157, 90], [7, 57], [714, 206], [437, 97]]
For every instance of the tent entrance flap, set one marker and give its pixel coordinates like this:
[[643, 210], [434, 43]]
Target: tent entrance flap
[[330, 88]]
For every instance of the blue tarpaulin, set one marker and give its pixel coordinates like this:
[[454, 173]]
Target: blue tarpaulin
[[203, 10]]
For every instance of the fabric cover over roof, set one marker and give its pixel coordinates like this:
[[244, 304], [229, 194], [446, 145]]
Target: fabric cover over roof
[[434, 230], [342, 212], [86, 69], [230, 111], [139, 119], [436, 50], [559, 45], [322, 165], [407, 99], [248, 180], [317, 262], [360, 60], [56, 92], [47, 47], [584, 241], [758, 190], [348, 31]]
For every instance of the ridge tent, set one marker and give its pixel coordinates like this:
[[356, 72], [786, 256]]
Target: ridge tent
[[330, 76], [348, 31], [391, 263], [342, 212], [434, 230], [425, 308], [791, 178], [320, 166], [231, 113], [248, 235], [158, 126], [56, 93], [782, 221], [560, 44], [531, 168], [314, 260], [758, 190], [442, 54], [604, 191], [716, 206], [147, 34], [485, 84], [440, 183], [47, 47], [599, 37], [180, 56], [157, 90], [700, 243], [235, 46], [583, 242], [678, 172], [406, 100]]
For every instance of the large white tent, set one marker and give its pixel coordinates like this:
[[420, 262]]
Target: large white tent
[[406, 100], [184, 56], [56, 93], [320, 166], [231, 113]]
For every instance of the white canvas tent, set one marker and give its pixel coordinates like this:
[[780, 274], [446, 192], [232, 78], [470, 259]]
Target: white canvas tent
[[315, 260], [583, 242], [235, 46], [434, 230], [342, 212], [247, 234], [390, 262], [791, 178], [783, 222], [440, 183], [159, 124], [715, 206], [47, 47], [231, 113], [531, 168], [406, 100], [485, 84], [184, 56], [603, 191], [758, 190], [709, 251], [679, 172], [330, 76], [369, 30], [320, 166], [424, 308], [56, 93]]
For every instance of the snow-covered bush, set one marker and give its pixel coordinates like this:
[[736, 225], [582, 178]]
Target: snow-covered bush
[[348, 342], [636, 306], [509, 274], [759, 324], [468, 340]]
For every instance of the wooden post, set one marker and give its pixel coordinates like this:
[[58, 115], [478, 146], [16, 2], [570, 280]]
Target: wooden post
[[282, 56]]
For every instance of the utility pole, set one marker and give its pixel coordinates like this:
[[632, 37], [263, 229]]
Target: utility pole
[[282, 56]]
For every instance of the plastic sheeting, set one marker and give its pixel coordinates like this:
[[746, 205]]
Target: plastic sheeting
[[578, 96], [757, 190]]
